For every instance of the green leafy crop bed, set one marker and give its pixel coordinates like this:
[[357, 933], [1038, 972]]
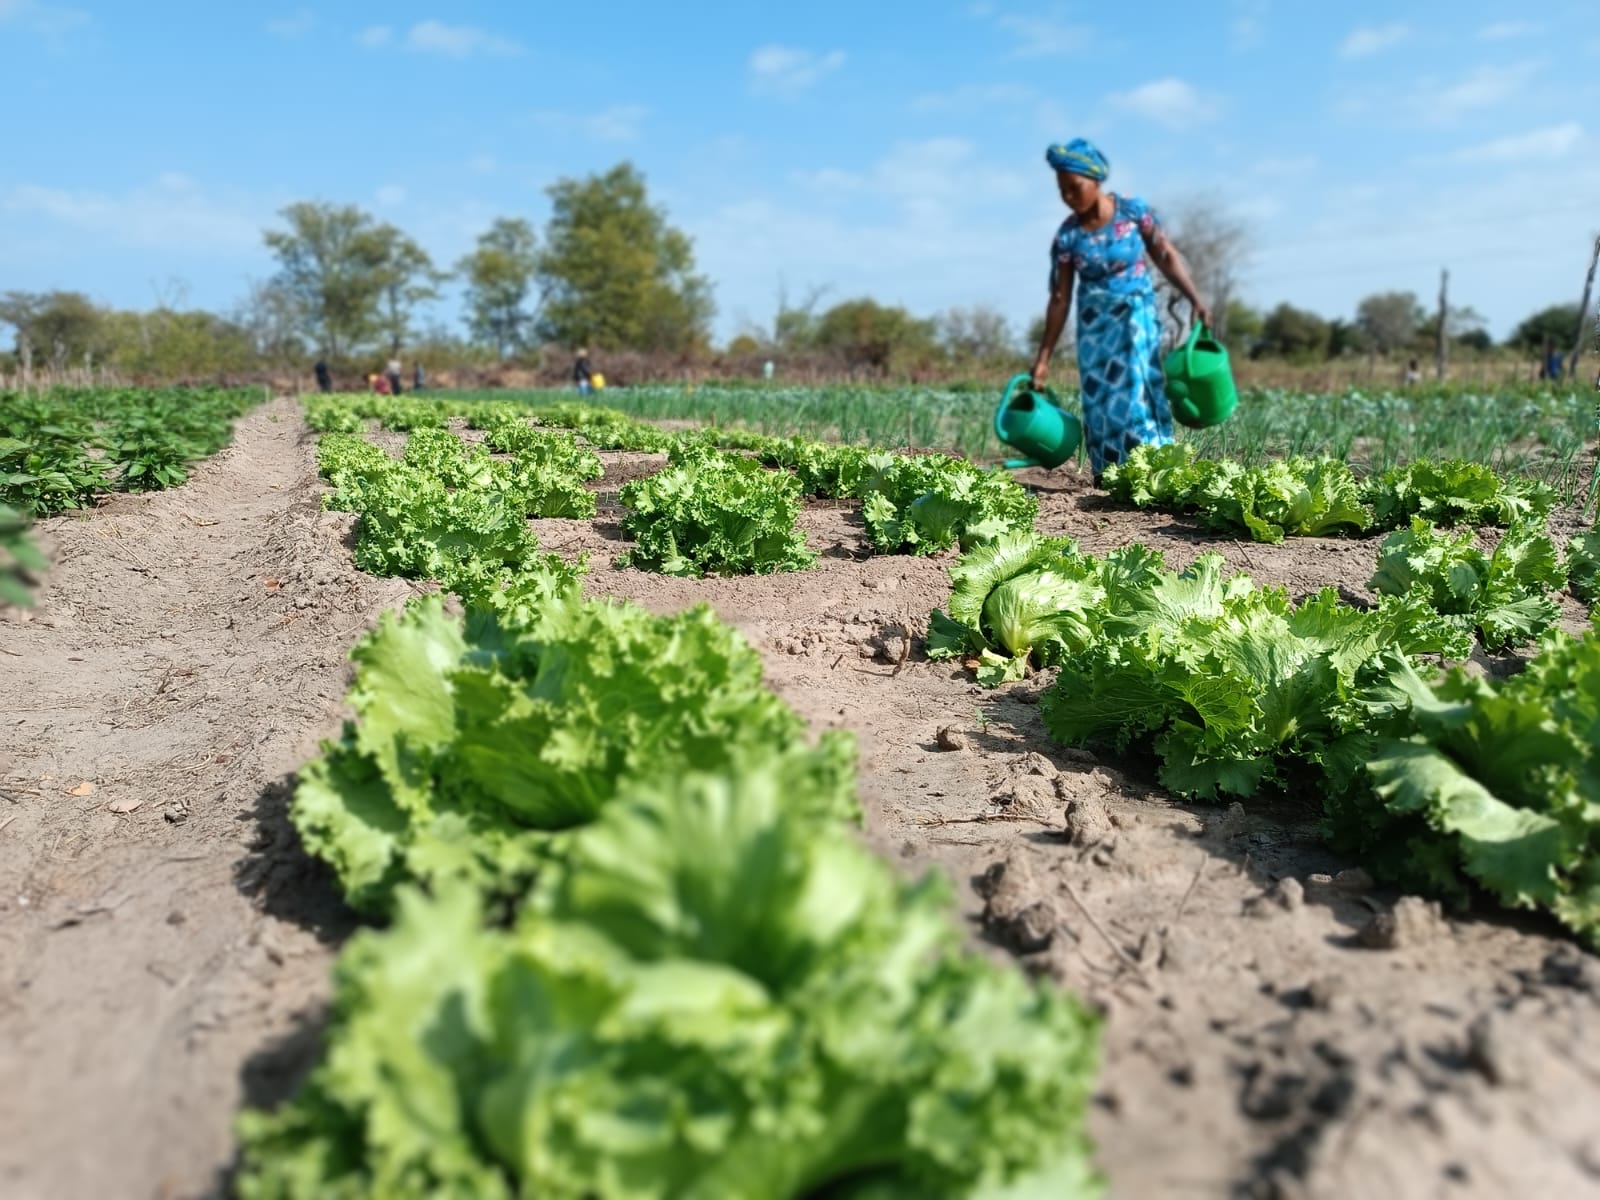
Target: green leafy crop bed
[[60, 449], [634, 946]]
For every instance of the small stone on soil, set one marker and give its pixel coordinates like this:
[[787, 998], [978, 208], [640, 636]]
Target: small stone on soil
[[1087, 821], [1497, 1050], [1412, 922], [1034, 763], [1287, 895], [1014, 912], [951, 738]]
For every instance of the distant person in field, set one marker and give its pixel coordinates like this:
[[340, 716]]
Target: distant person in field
[[380, 384], [1553, 365], [417, 378], [1103, 243], [394, 375], [1413, 374], [583, 373], [324, 376]]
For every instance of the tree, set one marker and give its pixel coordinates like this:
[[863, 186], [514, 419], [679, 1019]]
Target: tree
[[614, 273], [1346, 338], [1390, 320], [407, 278], [168, 344], [334, 262], [867, 334], [1463, 325], [55, 329], [1558, 323], [1242, 323], [794, 327], [1035, 335], [1214, 246], [271, 319], [1292, 332], [979, 332], [500, 274]]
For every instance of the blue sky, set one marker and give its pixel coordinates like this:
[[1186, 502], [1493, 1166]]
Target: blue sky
[[888, 149]]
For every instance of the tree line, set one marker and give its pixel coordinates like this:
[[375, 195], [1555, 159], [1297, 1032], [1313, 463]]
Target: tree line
[[611, 273]]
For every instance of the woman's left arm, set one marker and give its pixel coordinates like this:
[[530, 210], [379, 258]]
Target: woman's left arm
[[1165, 256]]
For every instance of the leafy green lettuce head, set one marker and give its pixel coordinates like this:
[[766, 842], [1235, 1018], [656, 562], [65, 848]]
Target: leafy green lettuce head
[[717, 994]]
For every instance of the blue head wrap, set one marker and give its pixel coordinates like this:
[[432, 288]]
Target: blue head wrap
[[1080, 157]]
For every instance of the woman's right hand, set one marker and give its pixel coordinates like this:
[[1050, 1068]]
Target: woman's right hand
[[1041, 369]]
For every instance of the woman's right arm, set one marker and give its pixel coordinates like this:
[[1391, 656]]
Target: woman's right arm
[[1055, 320]]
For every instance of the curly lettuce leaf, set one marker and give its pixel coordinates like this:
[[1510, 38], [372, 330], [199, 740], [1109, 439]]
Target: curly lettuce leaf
[[715, 993]]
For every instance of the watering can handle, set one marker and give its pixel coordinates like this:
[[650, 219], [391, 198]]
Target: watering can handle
[[1012, 387], [1195, 330], [1005, 402]]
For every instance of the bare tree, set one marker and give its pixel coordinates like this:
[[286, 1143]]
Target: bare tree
[[794, 326], [1215, 246], [979, 332], [270, 316]]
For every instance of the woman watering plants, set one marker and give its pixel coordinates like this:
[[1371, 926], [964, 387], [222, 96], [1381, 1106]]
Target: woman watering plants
[[1103, 244]]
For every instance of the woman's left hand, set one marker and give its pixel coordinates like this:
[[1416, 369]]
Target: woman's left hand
[[1202, 314]]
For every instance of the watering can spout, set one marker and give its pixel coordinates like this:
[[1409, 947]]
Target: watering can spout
[[1033, 421]]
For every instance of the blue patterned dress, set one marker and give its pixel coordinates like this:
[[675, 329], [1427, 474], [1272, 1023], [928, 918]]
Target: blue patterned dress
[[1119, 334]]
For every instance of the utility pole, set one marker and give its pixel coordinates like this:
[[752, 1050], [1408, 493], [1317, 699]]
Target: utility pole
[[1583, 310], [1441, 340]]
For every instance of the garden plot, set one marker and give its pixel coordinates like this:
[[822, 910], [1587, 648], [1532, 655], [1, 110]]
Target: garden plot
[[1275, 1023]]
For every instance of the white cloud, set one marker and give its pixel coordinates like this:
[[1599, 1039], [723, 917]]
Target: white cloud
[[787, 70], [927, 181], [1249, 23], [390, 195], [1434, 101], [1287, 166], [619, 123], [47, 20], [1501, 31], [173, 214], [1042, 37], [482, 164], [971, 96], [447, 41], [1373, 39], [458, 41], [1537, 145], [929, 225], [297, 24], [1486, 87], [1170, 102]]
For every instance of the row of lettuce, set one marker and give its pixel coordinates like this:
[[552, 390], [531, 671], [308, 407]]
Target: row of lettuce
[[631, 943], [1233, 688], [713, 509], [64, 448], [1444, 781]]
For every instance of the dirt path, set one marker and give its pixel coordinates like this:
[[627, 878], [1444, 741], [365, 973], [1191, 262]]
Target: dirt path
[[1263, 1038], [187, 651]]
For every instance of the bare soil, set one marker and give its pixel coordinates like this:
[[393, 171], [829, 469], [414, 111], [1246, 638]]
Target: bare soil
[[1276, 1025]]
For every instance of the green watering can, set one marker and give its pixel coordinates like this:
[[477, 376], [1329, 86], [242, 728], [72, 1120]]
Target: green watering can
[[1032, 420], [1199, 384]]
